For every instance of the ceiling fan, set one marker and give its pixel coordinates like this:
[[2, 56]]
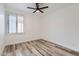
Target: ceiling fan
[[38, 9]]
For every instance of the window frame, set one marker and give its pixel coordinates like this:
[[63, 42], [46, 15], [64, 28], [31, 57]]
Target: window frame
[[16, 23]]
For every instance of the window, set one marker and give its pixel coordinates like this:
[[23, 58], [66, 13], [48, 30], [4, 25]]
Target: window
[[12, 24], [15, 24], [20, 24]]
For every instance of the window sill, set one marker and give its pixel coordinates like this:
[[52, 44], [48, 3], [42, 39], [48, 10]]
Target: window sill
[[15, 33]]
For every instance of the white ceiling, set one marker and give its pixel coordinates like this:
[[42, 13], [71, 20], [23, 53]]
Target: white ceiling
[[19, 6], [23, 6]]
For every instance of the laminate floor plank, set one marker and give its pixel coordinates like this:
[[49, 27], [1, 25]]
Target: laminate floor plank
[[39, 48], [36, 48], [48, 50], [25, 50], [44, 48], [32, 49], [55, 49]]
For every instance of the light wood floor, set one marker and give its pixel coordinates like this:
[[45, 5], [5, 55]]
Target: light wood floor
[[35, 48]]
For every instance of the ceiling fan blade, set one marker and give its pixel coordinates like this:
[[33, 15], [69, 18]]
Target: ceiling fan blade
[[41, 11], [34, 11], [43, 7], [31, 8], [37, 5]]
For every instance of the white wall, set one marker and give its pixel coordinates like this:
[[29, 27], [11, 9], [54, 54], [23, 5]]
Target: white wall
[[31, 28], [2, 30], [61, 25]]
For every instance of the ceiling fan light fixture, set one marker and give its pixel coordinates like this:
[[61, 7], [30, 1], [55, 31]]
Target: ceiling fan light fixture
[[37, 11]]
